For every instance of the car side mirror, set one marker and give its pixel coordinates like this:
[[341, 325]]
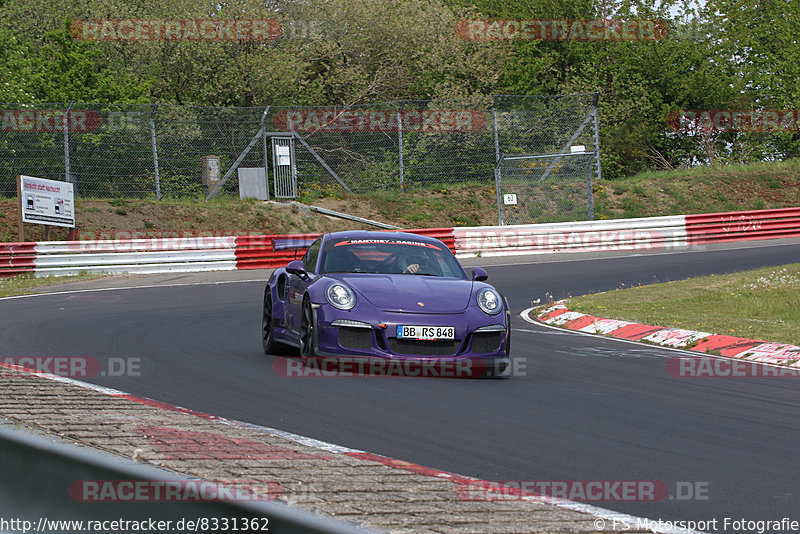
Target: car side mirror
[[298, 268], [479, 275]]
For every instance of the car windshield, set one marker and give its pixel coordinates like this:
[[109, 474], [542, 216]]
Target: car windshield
[[390, 256]]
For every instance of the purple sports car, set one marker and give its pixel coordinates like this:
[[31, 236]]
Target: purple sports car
[[393, 297]]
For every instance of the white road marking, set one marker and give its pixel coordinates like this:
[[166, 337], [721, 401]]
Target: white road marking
[[122, 288]]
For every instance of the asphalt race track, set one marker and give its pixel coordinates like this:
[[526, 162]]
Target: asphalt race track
[[587, 408]]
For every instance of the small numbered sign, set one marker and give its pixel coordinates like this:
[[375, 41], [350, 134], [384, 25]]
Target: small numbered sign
[[510, 199]]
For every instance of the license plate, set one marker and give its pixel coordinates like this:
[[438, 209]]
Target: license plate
[[426, 333]]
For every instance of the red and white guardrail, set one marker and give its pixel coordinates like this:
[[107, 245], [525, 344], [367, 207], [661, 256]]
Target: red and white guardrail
[[149, 256], [202, 253], [589, 236]]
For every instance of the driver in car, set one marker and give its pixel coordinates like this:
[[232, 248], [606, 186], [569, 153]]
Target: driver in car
[[411, 268], [413, 264]]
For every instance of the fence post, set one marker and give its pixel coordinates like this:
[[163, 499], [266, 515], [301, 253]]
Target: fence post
[[67, 177], [589, 192], [597, 135], [155, 150], [264, 146], [498, 176], [400, 142]]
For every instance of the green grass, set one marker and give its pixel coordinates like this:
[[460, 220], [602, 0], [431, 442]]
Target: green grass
[[700, 190], [761, 304], [708, 174], [26, 284]]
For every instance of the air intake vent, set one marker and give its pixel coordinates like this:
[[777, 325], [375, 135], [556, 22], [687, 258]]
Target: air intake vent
[[485, 342], [355, 338]]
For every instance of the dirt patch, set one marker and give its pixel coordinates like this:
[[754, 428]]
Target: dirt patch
[[125, 219]]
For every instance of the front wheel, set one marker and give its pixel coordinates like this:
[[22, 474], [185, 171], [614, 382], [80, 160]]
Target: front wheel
[[307, 333], [267, 325]]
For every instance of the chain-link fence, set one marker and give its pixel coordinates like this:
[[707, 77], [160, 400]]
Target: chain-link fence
[[125, 150], [548, 156]]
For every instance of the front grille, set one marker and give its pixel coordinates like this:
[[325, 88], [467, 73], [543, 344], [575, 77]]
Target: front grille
[[355, 338], [424, 348], [483, 342]]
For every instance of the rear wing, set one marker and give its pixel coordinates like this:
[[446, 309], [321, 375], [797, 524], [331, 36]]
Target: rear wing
[[292, 243], [287, 243]]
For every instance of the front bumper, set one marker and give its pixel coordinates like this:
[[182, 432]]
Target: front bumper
[[480, 347]]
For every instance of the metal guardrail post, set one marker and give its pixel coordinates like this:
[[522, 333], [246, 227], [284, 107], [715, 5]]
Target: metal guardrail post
[[597, 135], [66, 143], [264, 146], [498, 176], [589, 191], [155, 150], [400, 142]]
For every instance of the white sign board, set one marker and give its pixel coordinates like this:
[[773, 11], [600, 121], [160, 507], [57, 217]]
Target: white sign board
[[510, 199], [47, 202], [283, 154]]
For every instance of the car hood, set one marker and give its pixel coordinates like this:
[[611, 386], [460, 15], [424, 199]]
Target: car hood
[[411, 293]]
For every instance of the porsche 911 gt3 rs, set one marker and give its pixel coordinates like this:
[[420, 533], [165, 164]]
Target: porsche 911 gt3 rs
[[396, 296]]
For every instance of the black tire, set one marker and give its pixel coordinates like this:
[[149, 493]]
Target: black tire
[[307, 332], [268, 324]]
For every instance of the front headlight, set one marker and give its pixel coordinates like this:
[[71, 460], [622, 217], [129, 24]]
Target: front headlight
[[489, 301], [340, 296]]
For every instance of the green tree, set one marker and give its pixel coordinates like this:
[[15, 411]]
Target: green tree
[[16, 68], [67, 69]]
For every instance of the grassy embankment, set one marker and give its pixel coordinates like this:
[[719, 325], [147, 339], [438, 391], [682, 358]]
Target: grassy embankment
[[699, 190], [760, 304]]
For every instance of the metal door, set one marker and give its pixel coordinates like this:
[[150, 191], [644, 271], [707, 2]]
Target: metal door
[[284, 171]]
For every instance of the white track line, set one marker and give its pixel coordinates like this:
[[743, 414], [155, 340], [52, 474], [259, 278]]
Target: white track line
[[122, 288]]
